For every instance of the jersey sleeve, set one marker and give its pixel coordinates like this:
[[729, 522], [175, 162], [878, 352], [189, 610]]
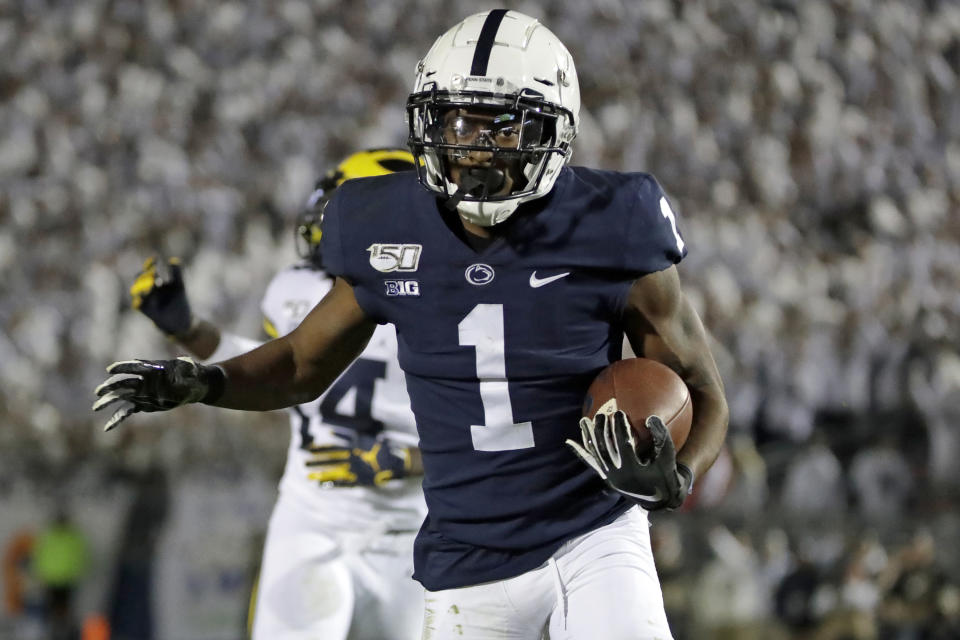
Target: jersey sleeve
[[331, 242], [290, 296], [344, 246], [653, 239]]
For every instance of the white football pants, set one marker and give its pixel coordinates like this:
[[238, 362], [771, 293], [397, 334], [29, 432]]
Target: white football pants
[[602, 584], [315, 584]]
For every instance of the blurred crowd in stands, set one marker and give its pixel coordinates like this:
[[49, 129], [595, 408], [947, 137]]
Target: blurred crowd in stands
[[812, 150]]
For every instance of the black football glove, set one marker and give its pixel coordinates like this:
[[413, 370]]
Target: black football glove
[[370, 462], [156, 385], [162, 297], [655, 482]]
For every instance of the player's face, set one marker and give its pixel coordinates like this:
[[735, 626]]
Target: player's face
[[484, 129], [493, 134]]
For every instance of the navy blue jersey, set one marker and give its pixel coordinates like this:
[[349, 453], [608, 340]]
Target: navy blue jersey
[[499, 346]]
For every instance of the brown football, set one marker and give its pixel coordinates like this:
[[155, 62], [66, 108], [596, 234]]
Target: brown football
[[642, 388]]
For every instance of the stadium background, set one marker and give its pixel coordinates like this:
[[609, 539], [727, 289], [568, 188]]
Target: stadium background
[[812, 150]]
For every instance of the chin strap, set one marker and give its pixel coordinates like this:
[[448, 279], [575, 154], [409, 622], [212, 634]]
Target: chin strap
[[454, 200]]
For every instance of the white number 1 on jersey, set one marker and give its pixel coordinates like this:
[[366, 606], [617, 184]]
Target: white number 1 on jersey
[[482, 328], [667, 213]]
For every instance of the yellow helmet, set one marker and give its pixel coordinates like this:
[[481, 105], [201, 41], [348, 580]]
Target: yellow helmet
[[362, 164]]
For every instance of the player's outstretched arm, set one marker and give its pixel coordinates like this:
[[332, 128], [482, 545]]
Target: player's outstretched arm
[[662, 324], [299, 366], [283, 372]]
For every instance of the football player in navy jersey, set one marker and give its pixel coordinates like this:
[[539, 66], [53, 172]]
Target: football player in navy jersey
[[511, 279]]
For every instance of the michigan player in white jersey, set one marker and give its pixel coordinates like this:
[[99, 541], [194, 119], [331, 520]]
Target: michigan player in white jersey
[[338, 556]]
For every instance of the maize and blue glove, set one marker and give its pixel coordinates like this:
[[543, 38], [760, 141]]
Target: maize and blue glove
[[370, 462], [158, 292]]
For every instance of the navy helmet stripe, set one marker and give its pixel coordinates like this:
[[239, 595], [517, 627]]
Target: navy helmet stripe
[[481, 57]]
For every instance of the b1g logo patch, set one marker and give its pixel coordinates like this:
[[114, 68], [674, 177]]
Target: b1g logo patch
[[394, 257], [402, 287]]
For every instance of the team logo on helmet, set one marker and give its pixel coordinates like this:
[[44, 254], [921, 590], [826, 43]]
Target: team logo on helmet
[[479, 274]]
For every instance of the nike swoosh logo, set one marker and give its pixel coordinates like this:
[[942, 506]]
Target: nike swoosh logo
[[536, 282]]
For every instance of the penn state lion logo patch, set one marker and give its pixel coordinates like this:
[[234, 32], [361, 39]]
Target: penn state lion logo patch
[[479, 274]]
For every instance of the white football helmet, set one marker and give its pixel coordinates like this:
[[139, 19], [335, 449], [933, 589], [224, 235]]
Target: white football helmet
[[494, 109]]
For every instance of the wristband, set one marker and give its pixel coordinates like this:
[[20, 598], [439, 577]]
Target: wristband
[[185, 335], [216, 379]]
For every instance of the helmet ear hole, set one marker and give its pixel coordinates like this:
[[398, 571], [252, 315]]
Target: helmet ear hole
[[308, 233]]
